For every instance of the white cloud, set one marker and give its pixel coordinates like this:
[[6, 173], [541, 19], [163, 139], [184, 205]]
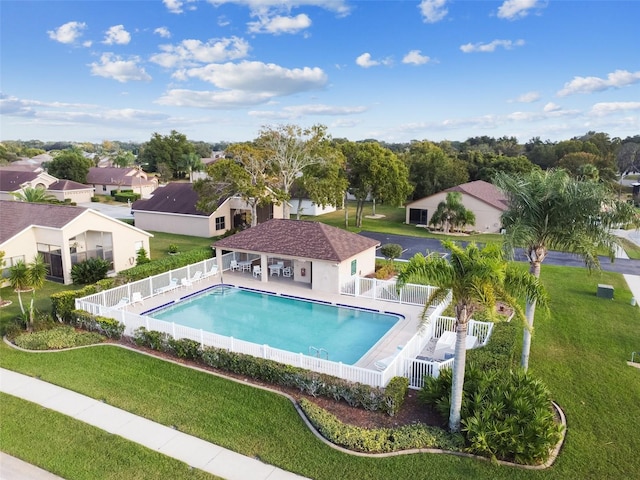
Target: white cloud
[[87, 43], [280, 24], [415, 57], [192, 52], [163, 32], [261, 7], [491, 47], [174, 6], [260, 77], [433, 10], [67, 33], [617, 79], [515, 9], [298, 111], [112, 66], [365, 61], [117, 35], [551, 107], [607, 108], [528, 97], [212, 99]]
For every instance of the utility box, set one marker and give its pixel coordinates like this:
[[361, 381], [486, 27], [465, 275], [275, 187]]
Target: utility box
[[605, 291]]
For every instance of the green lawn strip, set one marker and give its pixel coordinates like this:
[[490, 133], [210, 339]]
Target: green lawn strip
[[159, 243], [632, 249], [74, 450]]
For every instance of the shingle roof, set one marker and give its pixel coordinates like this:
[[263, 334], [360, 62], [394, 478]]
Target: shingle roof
[[12, 180], [16, 216], [484, 191], [116, 176], [299, 238], [174, 197], [68, 185]]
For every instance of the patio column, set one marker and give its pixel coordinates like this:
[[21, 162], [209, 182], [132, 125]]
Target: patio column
[[264, 268]]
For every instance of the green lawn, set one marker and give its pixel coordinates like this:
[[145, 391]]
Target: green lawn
[[579, 352], [160, 243]]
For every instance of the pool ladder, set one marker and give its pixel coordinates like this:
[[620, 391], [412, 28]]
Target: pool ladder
[[318, 352]]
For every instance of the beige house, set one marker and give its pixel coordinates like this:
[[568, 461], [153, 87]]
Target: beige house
[[66, 235], [108, 179], [14, 179], [313, 253], [482, 198], [172, 209]]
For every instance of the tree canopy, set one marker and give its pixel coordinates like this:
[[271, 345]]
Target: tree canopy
[[70, 165], [167, 150]]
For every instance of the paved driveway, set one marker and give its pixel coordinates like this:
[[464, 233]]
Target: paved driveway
[[114, 211], [413, 245]]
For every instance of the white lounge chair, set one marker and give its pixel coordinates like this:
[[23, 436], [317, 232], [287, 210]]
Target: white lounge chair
[[447, 344], [172, 284], [234, 266], [213, 271], [136, 297], [384, 363], [257, 271], [124, 301], [186, 283], [196, 277]]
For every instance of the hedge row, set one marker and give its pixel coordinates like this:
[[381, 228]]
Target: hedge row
[[57, 338], [502, 349], [311, 383], [379, 440], [156, 267], [109, 327]]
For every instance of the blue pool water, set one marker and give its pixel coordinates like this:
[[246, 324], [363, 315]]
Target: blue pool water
[[283, 323]]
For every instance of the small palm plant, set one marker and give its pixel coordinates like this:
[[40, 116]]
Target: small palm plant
[[23, 277]]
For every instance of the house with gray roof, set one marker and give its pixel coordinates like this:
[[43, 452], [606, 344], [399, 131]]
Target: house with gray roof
[[482, 198], [14, 179], [65, 235], [172, 209], [322, 256]]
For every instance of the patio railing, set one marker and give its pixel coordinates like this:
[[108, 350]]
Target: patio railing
[[386, 290]]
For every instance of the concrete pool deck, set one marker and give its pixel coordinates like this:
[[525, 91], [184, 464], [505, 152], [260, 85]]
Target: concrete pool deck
[[398, 335]]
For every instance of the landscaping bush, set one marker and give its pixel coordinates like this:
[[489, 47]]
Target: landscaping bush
[[63, 303], [141, 257], [57, 338], [109, 327], [310, 383], [506, 414], [95, 199], [385, 272], [173, 248], [394, 394], [391, 251], [156, 267], [378, 440], [89, 271], [502, 350], [125, 195]]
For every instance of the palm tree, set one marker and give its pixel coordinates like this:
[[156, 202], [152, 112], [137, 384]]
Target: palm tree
[[451, 213], [477, 279], [551, 210], [34, 195], [24, 277]]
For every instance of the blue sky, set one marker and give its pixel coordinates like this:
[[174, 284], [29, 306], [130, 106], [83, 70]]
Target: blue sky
[[219, 70]]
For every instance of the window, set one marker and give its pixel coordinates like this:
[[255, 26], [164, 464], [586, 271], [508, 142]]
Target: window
[[220, 224], [418, 216], [10, 262], [354, 266]]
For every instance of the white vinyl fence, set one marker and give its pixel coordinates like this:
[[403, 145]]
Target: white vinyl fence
[[386, 290]]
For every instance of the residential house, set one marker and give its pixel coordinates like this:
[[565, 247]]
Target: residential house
[[172, 209], [322, 256], [108, 179], [15, 178], [482, 198], [66, 235]]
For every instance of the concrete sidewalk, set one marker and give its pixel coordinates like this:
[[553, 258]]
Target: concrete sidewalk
[[191, 450]]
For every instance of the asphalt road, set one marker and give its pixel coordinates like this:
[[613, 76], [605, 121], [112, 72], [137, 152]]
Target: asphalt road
[[413, 245]]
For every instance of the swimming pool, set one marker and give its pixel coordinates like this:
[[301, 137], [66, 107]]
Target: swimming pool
[[292, 324]]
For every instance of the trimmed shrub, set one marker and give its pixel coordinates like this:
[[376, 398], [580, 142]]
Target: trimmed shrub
[[109, 327], [502, 349], [155, 267], [378, 440], [63, 303], [57, 338], [391, 251], [141, 257], [395, 393], [124, 196], [89, 271]]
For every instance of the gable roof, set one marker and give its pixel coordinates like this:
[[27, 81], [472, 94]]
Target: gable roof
[[117, 176], [484, 191], [12, 180], [299, 238], [66, 185], [16, 216], [174, 197]]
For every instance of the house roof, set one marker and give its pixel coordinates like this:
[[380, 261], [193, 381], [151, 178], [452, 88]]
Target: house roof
[[299, 238], [175, 197], [484, 191], [16, 216], [67, 185], [22, 166], [117, 176], [12, 180]]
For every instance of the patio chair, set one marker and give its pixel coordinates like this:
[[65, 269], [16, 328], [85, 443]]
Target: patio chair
[[186, 283], [287, 272], [445, 344], [172, 284], [384, 363], [196, 277], [124, 301], [213, 271], [234, 266], [136, 297], [257, 271]]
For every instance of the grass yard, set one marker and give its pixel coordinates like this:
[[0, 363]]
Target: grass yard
[[160, 242], [579, 352]]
